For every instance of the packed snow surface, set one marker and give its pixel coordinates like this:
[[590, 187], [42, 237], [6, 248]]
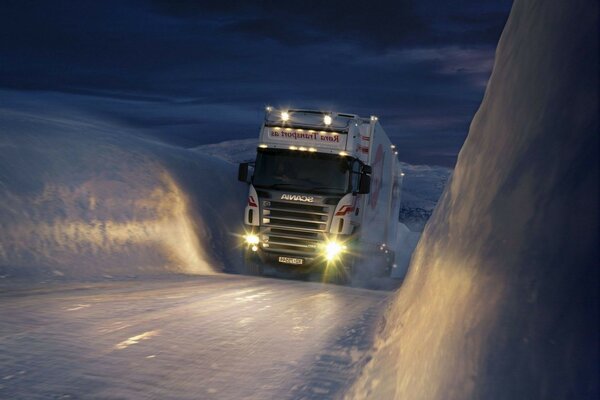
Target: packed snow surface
[[206, 337], [501, 300]]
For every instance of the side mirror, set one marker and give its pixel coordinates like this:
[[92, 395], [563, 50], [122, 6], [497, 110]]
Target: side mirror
[[243, 172], [366, 169], [364, 184]]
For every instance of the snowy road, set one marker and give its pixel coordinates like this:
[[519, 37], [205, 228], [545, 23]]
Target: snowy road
[[225, 337]]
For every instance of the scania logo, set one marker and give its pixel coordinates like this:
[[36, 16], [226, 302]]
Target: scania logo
[[297, 197]]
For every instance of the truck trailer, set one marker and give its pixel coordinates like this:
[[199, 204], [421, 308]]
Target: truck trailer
[[324, 196]]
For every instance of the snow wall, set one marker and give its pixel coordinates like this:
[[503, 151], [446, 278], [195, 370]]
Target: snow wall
[[501, 300], [81, 199]]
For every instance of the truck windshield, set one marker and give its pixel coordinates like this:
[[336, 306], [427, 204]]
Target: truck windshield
[[301, 171]]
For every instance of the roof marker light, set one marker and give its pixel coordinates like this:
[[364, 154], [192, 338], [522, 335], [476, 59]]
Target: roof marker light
[[263, 146], [327, 120], [269, 108], [393, 146], [285, 116], [302, 148], [343, 153], [312, 149], [373, 118], [293, 148]]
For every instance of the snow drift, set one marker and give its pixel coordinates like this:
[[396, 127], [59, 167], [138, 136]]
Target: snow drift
[[501, 300], [83, 199]]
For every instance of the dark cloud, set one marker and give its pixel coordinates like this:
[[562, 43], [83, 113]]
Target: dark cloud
[[376, 25], [380, 23], [178, 69]]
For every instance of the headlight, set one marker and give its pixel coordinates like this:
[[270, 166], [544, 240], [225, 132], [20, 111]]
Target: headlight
[[333, 249], [252, 239]]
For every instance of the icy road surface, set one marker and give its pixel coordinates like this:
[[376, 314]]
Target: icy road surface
[[221, 337]]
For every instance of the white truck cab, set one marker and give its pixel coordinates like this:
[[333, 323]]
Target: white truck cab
[[324, 194]]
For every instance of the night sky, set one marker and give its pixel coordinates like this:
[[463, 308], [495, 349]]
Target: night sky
[[195, 72]]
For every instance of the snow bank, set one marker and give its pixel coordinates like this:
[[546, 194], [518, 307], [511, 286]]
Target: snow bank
[[501, 301], [83, 199], [422, 187], [233, 151], [406, 242]]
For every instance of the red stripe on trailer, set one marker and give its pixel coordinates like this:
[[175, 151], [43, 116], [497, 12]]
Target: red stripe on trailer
[[367, 138]]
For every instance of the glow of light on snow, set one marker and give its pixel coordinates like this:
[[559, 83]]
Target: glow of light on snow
[[78, 307], [135, 340], [159, 219], [252, 297]]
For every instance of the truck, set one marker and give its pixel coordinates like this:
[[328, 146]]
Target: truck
[[323, 196]]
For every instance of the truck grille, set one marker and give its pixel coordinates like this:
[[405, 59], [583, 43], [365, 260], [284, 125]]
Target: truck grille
[[295, 229]]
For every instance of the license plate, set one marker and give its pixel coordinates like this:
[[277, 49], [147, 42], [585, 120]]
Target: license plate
[[290, 260]]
